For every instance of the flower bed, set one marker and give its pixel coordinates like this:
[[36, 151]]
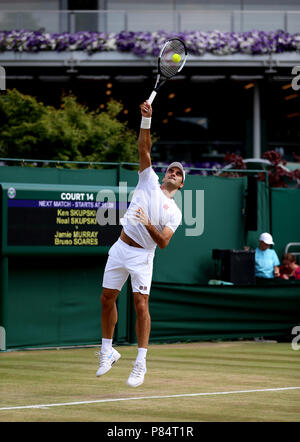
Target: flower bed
[[148, 44]]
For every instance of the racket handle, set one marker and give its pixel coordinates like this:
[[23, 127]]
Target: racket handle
[[152, 96]]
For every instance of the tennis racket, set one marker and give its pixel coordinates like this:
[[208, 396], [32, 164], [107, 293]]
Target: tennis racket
[[167, 66]]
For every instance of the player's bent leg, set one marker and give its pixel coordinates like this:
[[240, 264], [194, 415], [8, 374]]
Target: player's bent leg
[[109, 313], [143, 320], [143, 326], [108, 355]]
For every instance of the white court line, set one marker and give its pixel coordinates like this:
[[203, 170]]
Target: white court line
[[146, 397]]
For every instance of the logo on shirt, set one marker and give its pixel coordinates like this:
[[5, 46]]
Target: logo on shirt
[[165, 206], [142, 287]]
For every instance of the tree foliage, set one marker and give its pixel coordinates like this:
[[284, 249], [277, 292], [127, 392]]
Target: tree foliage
[[30, 129]]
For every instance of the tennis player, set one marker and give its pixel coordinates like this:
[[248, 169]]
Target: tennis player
[[151, 220]]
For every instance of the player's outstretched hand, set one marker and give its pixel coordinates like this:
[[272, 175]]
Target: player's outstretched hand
[[146, 109]]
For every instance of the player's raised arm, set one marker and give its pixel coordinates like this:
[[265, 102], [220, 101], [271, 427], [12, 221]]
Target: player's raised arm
[[144, 141]]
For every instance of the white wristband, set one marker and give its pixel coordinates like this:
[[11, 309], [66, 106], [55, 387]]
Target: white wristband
[[146, 123]]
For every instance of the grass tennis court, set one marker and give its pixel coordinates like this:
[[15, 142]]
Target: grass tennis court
[[45, 377]]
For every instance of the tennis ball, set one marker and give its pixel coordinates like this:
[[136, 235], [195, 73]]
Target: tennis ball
[[176, 58]]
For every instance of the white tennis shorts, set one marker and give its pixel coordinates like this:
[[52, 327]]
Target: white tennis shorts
[[124, 260]]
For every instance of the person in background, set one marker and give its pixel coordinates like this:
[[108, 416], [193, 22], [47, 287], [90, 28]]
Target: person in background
[[289, 268], [266, 259]]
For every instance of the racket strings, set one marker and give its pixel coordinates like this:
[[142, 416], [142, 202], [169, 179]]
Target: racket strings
[[168, 66]]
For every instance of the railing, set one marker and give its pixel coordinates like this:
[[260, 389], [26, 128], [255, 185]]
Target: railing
[[58, 21], [290, 245], [162, 167]]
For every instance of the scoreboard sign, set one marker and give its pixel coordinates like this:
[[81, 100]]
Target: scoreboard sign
[[59, 217]]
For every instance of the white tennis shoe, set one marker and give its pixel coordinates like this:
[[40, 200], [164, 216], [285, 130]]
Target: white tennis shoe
[[136, 377], [107, 360]]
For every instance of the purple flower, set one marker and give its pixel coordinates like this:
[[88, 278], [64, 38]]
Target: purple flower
[[149, 44]]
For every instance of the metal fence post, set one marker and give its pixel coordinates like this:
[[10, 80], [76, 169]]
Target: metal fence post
[[72, 22], [285, 21], [232, 21], [126, 21], [2, 339], [178, 22], [3, 300], [2, 79]]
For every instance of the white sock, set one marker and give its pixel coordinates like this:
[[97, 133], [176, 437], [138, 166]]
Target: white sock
[[106, 345], [141, 357]]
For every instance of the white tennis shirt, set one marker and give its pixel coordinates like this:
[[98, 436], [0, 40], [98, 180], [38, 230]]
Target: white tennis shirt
[[161, 210]]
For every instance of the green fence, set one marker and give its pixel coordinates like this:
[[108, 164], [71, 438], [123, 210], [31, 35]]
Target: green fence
[[285, 221], [51, 297], [200, 313]]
